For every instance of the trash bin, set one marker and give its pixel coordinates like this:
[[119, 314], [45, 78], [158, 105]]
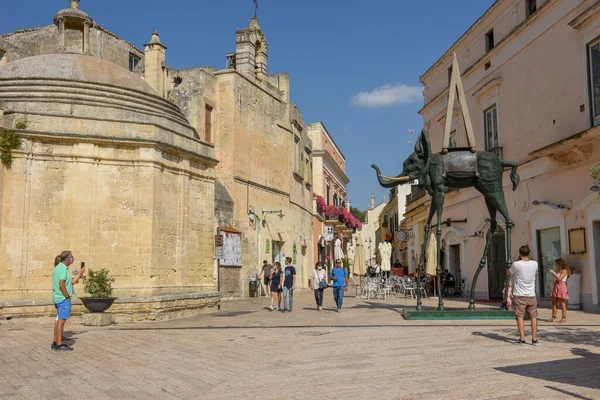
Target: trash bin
[[253, 288]]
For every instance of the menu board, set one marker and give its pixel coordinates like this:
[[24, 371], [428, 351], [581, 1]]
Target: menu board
[[232, 249]]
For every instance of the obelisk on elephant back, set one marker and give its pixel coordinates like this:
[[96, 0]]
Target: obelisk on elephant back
[[456, 168]]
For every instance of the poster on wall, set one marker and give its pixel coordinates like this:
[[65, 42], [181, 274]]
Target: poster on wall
[[232, 248]]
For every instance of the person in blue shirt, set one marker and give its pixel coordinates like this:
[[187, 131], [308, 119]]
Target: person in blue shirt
[[339, 276]]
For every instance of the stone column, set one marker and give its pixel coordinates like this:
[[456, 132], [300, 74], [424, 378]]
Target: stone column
[[61, 33], [86, 37], [165, 82]]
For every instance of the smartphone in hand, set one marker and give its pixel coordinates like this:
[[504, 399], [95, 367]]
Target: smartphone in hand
[[82, 264]]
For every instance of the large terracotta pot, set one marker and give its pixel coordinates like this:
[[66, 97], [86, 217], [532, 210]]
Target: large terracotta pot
[[97, 305]]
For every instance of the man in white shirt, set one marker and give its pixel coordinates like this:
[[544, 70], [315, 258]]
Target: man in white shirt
[[521, 292]]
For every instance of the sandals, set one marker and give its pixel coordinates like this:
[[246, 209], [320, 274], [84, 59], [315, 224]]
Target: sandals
[[552, 319], [562, 321]]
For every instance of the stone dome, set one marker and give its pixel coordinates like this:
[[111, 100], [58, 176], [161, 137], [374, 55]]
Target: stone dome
[[74, 67]]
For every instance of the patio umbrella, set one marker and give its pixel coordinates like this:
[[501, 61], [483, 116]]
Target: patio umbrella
[[359, 257], [431, 267]]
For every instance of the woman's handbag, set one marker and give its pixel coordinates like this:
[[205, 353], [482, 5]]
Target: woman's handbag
[[322, 284]]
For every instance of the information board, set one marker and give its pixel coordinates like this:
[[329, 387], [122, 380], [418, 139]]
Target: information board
[[232, 249]]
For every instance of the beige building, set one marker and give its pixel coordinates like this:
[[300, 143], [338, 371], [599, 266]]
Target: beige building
[[372, 225], [264, 180], [530, 73], [108, 168]]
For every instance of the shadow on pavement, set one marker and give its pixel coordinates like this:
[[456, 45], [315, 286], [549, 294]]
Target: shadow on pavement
[[567, 393], [233, 313], [563, 334], [581, 371], [385, 306]]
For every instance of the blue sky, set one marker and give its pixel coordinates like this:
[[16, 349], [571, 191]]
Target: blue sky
[[354, 65]]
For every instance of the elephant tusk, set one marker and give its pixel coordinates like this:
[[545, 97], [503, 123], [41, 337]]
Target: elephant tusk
[[400, 179]]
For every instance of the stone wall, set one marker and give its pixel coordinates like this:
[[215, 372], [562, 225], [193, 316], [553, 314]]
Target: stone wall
[[45, 40], [119, 179]]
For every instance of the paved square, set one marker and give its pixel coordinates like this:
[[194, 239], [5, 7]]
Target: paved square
[[246, 352]]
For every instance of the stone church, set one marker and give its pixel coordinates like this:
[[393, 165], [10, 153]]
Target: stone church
[[135, 166]]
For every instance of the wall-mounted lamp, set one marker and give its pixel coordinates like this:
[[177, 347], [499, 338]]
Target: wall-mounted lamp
[[595, 188], [477, 234], [265, 213], [547, 203], [449, 221]]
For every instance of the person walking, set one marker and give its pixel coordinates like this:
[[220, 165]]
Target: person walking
[[289, 283], [318, 275], [559, 291], [340, 284], [62, 290], [265, 275], [276, 284], [523, 273]]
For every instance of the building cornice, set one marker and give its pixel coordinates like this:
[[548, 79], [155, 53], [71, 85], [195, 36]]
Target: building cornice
[[329, 136], [332, 166], [586, 17], [567, 144]]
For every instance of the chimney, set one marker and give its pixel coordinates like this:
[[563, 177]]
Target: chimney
[[154, 64], [372, 206]]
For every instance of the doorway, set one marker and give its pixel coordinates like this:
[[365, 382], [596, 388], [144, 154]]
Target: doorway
[[277, 253], [549, 249], [497, 264], [454, 262]]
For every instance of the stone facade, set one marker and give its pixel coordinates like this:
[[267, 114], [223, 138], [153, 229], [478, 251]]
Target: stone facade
[[263, 151], [108, 169]]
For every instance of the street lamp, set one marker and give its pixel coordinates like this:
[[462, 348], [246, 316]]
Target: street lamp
[[265, 213]]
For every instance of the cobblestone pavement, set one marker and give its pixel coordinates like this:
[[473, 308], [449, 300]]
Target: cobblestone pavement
[[246, 352]]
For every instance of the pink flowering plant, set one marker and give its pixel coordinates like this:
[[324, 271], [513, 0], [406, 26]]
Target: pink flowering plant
[[338, 212]]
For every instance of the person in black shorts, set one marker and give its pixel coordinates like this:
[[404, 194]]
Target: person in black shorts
[[265, 275], [276, 285]]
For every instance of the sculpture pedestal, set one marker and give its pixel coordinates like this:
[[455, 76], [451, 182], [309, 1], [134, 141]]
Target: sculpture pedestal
[[458, 314]]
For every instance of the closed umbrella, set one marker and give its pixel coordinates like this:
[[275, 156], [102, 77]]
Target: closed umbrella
[[359, 257], [431, 267]]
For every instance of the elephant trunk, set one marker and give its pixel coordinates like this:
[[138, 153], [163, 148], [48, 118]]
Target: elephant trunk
[[388, 182]]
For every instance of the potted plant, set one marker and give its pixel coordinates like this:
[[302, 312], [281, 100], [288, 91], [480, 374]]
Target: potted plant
[[98, 284]]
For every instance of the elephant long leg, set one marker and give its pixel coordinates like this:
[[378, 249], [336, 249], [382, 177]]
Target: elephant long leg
[[422, 260], [509, 226], [439, 267], [439, 202], [420, 268], [488, 242]]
